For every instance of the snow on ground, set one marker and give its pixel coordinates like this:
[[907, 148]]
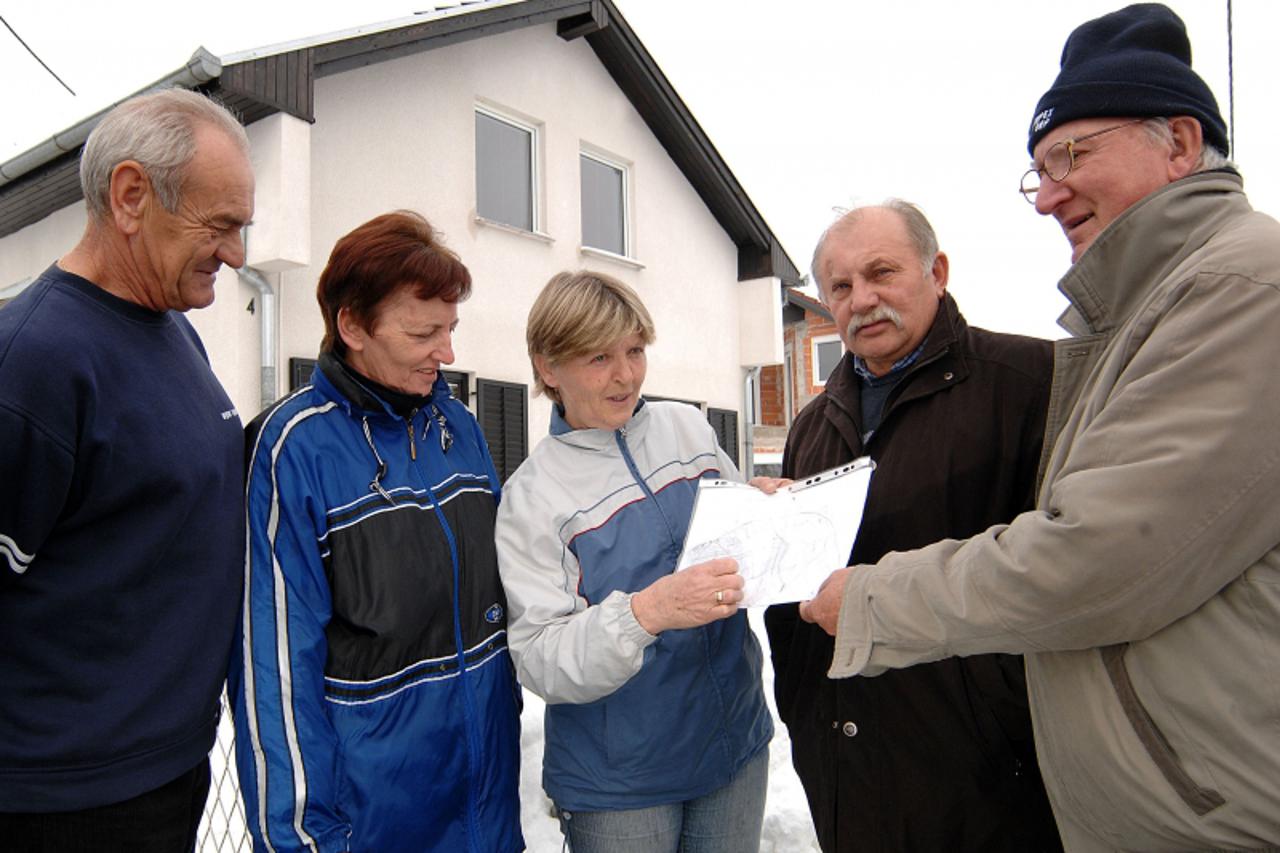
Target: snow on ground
[[787, 828]]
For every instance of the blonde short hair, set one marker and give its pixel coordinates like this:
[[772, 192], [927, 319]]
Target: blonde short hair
[[579, 312]]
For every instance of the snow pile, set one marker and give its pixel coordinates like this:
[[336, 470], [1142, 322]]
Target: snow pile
[[786, 816]]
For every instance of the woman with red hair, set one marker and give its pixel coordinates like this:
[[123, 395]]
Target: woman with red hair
[[376, 706]]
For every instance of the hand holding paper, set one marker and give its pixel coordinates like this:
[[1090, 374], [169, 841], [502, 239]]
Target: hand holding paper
[[706, 592], [786, 543], [824, 608]]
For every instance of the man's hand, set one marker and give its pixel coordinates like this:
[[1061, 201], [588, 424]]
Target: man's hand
[[769, 485], [824, 608]]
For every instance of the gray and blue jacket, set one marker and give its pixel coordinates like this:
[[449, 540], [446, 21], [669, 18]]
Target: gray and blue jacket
[[633, 720]]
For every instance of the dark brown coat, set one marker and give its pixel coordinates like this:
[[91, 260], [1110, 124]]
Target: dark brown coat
[[938, 757]]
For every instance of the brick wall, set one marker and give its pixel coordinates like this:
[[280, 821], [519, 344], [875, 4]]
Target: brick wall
[[772, 396], [800, 336]]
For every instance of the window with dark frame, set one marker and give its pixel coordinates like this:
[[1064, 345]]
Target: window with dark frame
[[459, 385], [604, 205], [503, 411], [505, 171], [300, 370]]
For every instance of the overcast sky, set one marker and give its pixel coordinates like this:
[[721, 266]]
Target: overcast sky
[[815, 104]]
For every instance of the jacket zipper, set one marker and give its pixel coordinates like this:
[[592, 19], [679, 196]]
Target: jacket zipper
[[408, 425], [471, 712], [621, 438]]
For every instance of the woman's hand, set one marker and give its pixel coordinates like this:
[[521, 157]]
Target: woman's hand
[[686, 599], [769, 485]]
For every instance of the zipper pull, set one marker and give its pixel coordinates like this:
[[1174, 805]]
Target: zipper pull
[[446, 437], [413, 447]]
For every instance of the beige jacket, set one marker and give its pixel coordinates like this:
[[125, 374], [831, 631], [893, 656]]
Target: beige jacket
[[1145, 587]]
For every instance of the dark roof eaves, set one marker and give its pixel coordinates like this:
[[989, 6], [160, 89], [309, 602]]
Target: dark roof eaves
[[628, 62]]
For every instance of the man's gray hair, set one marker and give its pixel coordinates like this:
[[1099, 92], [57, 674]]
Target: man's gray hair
[[919, 231], [1159, 130], [157, 130]]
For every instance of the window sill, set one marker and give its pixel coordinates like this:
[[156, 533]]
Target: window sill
[[610, 256], [511, 229]]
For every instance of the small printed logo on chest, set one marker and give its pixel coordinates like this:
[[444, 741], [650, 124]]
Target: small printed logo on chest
[[229, 414], [494, 614]]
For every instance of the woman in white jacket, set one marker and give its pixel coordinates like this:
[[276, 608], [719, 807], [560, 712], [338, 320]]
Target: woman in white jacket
[[656, 721]]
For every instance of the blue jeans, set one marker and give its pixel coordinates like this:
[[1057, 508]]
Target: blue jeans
[[727, 820]]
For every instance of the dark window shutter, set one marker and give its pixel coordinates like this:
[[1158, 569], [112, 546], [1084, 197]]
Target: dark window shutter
[[725, 423], [503, 411], [300, 372]]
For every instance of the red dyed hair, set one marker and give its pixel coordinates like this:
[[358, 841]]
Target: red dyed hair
[[391, 251]]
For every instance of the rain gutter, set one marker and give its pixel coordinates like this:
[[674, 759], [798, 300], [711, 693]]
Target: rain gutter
[[202, 67]]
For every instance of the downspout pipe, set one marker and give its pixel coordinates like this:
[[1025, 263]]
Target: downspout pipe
[[202, 67], [787, 391], [267, 324], [748, 404]]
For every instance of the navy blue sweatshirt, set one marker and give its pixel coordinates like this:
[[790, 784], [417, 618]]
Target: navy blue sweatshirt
[[121, 546]]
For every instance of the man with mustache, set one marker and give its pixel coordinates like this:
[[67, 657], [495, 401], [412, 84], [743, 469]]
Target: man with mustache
[[938, 757], [1144, 589]]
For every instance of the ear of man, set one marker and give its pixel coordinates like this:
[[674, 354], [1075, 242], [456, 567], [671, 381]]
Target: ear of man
[[1188, 143], [940, 271], [130, 195]]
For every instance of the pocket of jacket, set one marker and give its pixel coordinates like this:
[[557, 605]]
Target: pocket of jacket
[[1199, 799]]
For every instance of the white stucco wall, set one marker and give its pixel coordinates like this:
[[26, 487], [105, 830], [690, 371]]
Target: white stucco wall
[[28, 252], [760, 321], [401, 134], [280, 238]]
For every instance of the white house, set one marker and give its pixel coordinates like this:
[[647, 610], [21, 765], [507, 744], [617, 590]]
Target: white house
[[537, 135]]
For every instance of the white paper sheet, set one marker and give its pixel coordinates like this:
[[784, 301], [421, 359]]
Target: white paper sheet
[[787, 543]]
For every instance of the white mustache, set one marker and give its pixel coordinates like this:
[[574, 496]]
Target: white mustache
[[881, 312]]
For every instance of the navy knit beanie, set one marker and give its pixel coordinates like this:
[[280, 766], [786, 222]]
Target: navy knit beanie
[[1134, 62]]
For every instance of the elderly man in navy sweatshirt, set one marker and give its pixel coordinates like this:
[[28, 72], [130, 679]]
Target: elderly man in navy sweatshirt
[[121, 520]]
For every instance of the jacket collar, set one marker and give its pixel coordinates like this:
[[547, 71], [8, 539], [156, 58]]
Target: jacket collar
[[948, 326], [1143, 245], [844, 389], [600, 439], [339, 385]]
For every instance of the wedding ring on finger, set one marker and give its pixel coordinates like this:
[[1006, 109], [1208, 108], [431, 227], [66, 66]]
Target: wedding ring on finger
[[719, 596]]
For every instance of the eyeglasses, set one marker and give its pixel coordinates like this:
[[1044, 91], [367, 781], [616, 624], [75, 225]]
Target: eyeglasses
[[1060, 159]]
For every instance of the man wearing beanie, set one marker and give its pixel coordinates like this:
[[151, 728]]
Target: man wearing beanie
[[1144, 589]]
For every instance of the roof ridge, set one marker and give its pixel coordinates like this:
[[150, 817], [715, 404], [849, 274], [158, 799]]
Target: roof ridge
[[438, 11]]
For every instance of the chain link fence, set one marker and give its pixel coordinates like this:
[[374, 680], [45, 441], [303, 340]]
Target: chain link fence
[[223, 829]]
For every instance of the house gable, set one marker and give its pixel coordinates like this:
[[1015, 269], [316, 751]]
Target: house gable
[[282, 79]]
